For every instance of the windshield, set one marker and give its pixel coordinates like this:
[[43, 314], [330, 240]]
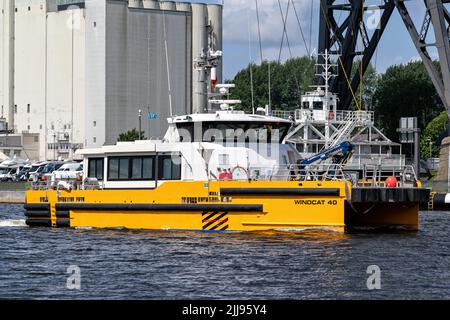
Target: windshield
[[34, 168], [72, 167], [51, 167], [24, 170], [4, 170], [48, 168]]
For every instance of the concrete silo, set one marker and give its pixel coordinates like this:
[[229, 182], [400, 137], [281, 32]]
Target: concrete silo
[[150, 4], [7, 47], [184, 6], [135, 3], [167, 5], [199, 52]]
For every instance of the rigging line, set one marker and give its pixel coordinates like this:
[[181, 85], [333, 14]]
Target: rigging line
[[361, 33], [251, 63], [310, 24], [270, 86], [378, 40], [338, 22], [308, 50], [376, 54], [167, 64], [261, 53], [322, 9], [284, 27], [289, 47], [148, 75], [259, 31]]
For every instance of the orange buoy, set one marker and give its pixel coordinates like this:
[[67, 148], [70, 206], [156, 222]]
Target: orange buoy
[[391, 182]]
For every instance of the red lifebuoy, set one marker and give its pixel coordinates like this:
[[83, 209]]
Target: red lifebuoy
[[223, 175]]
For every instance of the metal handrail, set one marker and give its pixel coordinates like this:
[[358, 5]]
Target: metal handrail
[[369, 176], [338, 116], [74, 185]]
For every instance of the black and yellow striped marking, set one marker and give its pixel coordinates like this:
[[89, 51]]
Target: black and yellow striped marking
[[215, 221]]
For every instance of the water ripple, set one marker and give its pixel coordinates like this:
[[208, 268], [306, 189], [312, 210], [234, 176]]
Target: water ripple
[[124, 264]]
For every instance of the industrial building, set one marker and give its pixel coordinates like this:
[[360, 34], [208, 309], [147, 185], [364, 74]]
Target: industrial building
[[76, 73]]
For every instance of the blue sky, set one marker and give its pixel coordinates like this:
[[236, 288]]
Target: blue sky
[[239, 24]]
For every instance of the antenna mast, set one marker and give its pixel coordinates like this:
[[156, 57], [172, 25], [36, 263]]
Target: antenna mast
[[326, 74]]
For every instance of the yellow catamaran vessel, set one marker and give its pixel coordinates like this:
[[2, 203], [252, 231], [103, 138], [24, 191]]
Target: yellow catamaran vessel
[[225, 171]]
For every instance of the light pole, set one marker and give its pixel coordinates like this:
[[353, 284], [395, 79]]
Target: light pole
[[54, 146], [430, 143], [140, 117]]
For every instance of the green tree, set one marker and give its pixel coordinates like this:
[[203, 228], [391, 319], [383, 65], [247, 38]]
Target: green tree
[[131, 135], [288, 81], [369, 85], [405, 91], [435, 130]]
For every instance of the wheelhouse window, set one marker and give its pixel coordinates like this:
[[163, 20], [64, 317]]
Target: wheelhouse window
[[95, 168], [124, 169], [131, 168], [142, 168], [318, 105], [169, 167]]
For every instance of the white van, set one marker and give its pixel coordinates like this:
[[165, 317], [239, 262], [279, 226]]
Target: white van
[[68, 171]]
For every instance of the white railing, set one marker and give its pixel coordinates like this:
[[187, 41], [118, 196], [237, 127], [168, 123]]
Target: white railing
[[301, 115], [283, 114], [373, 175], [318, 172], [66, 184], [367, 176], [361, 160]]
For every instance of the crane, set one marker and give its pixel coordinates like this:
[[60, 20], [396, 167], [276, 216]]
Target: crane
[[342, 29], [339, 155]]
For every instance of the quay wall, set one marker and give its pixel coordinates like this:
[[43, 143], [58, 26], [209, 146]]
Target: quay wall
[[12, 197]]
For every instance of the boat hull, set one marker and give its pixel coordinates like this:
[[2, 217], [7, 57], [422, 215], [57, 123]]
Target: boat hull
[[219, 206]]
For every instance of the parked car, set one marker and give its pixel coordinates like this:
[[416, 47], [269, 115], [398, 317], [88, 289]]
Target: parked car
[[23, 174], [10, 168], [36, 169], [48, 169], [68, 171], [8, 174]]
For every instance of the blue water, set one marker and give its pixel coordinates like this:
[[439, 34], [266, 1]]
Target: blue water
[[182, 265]]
